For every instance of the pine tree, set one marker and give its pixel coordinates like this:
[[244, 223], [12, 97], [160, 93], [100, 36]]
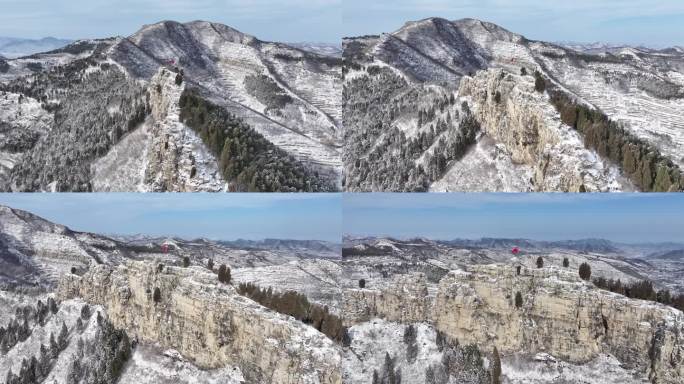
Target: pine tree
[[518, 300], [157, 295], [53, 305], [496, 367], [540, 262], [222, 273], [186, 262], [210, 264], [45, 360], [539, 83], [362, 283], [54, 348], [566, 262], [585, 271], [62, 338]]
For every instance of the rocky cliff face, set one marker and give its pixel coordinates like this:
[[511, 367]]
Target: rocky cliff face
[[560, 315], [404, 300], [177, 159], [163, 154], [514, 114], [211, 325]]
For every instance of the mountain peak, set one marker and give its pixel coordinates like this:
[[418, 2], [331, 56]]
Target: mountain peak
[[198, 28]]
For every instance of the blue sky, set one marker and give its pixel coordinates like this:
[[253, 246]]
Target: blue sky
[[631, 218], [618, 21], [620, 217], [286, 20], [654, 22], [191, 215]]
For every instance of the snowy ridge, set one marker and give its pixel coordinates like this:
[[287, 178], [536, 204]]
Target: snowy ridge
[[220, 61], [643, 89]]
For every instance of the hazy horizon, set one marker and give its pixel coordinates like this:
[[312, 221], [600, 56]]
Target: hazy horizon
[[624, 218], [284, 21], [249, 216], [632, 22]]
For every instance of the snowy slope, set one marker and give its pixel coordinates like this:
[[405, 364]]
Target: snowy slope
[[289, 95], [643, 89], [150, 365], [221, 61]]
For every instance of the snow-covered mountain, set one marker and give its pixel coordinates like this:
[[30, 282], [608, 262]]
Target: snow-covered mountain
[[283, 101], [40, 260], [11, 47], [549, 118]]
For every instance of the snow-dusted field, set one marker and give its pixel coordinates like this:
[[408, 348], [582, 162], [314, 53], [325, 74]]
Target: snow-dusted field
[[543, 368], [150, 365], [485, 167]]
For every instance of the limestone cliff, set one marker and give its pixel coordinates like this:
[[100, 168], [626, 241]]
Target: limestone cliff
[[511, 112], [209, 324], [404, 300], [162, 154], [560, 315], [177, 159]]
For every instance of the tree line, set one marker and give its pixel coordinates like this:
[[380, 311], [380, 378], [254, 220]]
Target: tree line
[[246, 158], [298, 306], [643, 290], [643, 164]]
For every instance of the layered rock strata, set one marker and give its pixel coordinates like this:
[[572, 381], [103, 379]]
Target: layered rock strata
[[210, 324]]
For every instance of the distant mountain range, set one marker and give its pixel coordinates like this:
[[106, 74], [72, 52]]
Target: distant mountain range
[[599, 47], [603, 246], [11, 47]]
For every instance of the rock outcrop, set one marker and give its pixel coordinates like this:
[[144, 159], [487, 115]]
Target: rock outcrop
[[404, 300], [177, 160], [209, 324], [560, 315], [513, 113]]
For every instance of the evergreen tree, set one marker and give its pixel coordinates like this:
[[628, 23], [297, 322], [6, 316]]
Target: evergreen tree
[[186, 262], [222, 274], [53, 305], [45, 360], [540, 262], [566, 262], [62, 338], [54, 348], [85, 312], [496, 367], [585, 271], [362, 283], [539, 83], [518, 300], [210, 264]]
